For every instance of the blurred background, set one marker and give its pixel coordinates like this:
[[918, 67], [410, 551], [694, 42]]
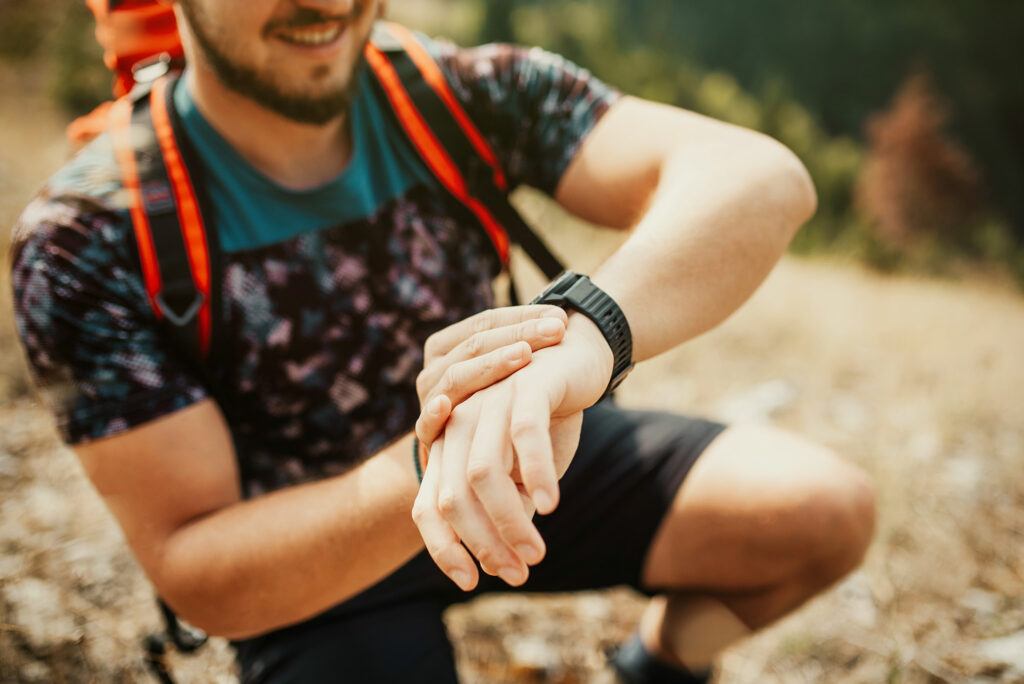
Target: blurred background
[[893, 333]]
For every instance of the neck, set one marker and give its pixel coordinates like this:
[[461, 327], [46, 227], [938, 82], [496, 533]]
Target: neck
[[293, 154]]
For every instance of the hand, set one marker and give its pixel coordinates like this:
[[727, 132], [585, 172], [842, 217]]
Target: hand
[[474, 354], [502, 453]]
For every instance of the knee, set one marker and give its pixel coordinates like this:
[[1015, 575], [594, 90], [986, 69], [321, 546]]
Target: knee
[[843, 514]]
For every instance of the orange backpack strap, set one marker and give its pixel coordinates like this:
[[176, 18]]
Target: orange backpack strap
[[176, 252], [448, 142]]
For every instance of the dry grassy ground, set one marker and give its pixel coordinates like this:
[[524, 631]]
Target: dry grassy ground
[[920, 382]]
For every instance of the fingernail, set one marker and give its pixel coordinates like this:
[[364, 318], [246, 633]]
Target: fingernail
[[528, 553], [543, 501], [435, 407], [514, 353], [461, 578], [549, 327], [513, 576]]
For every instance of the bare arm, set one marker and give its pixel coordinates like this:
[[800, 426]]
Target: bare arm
[[237, 568], [713, 207]]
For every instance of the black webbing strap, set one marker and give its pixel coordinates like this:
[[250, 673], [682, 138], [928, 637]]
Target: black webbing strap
[[216, 355], [179, 300], [479, 175]]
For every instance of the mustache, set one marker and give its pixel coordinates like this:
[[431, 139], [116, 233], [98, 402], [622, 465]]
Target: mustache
[[307, 16]]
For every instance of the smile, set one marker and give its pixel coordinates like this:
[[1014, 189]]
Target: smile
[[311, 36]]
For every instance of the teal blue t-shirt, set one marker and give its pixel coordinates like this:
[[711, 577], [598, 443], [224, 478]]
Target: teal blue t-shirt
[[251, 210]]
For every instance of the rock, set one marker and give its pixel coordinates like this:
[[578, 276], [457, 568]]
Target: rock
[[980, 602], [46, 508], [531, 654], [35, 671], [1007, 650], [11, 565], [37, 609], [858, 601]]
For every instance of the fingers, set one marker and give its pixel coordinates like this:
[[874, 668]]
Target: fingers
[[432, 419], [488, 474], [440, 540], [461, 380], [529, 430], [462, 509], [443, 341]]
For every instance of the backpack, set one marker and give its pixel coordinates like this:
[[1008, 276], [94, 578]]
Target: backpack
[[179, 251]]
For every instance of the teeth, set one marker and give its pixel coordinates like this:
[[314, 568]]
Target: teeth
[[311, 37]]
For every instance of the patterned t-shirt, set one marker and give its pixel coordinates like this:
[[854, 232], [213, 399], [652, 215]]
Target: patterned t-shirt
[[324, 324]]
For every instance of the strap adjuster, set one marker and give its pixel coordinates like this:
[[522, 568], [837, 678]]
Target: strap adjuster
[[186, 316]]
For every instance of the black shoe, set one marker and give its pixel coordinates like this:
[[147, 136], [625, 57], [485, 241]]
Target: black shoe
[[635, 665]]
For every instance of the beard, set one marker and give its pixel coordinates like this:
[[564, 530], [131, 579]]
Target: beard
[[249, 83]]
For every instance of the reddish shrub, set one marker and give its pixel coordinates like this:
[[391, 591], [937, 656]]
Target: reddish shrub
[[916, 181]]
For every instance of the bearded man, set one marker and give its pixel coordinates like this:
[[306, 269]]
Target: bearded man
[[279, 505]]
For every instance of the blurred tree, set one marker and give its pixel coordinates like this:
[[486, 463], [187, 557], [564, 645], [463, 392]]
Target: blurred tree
[[917, 183], [497, 25]]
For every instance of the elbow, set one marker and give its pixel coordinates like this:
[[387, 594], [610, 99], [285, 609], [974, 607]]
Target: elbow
[[792, 187]]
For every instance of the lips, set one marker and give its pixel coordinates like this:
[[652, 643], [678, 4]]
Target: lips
[[311, 36]]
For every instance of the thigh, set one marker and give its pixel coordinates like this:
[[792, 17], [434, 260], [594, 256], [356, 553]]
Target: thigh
[[404, 642], [761, 505]]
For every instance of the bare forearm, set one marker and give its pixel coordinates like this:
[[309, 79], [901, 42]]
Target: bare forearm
[[281, 558], [712, 233]]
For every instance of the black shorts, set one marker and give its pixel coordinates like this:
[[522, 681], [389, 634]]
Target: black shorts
[[625, 474]]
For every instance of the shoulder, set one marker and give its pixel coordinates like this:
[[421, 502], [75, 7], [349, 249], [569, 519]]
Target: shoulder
[[81, 206], [528, 72], [74, 239]]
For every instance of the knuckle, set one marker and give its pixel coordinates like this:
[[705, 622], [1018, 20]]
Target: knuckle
[[421, 384], [475, 345], [449, 381], [430, 347], [478, 473], [521, 428], [420, 514], [448, 503], [483, 321], [507, 527], [487, 557]]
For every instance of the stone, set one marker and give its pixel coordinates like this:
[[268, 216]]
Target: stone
[[37, 609], [1007, 650]]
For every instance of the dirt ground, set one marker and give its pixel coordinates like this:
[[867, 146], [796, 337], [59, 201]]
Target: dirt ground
[[919, 382]]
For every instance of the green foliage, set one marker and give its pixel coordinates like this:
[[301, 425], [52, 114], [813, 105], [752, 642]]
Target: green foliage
[[23, 28], [809, 75], [80, 81]]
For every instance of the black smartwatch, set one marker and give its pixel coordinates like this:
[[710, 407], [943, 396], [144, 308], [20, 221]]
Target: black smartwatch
[[575, 291]]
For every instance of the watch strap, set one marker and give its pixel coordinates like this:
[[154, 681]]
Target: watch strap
[[578, 292]]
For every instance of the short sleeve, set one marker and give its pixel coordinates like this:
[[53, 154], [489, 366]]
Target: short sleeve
[[534, 107], [93, 347]]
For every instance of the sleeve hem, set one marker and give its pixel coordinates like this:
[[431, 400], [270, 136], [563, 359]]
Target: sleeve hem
[[98, 421]]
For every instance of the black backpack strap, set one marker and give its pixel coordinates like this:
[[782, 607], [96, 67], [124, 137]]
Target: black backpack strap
[[178, 254], [407, 75]]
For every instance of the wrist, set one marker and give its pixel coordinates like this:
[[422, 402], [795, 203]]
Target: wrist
[[601, 359]]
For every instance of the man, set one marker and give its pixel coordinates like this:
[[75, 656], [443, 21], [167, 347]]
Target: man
[[278, 515]]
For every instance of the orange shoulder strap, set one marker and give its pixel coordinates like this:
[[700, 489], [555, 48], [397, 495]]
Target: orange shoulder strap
[[438, 127], [175, 251]]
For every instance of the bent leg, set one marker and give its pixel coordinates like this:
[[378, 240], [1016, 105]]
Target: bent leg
[[764, 521]]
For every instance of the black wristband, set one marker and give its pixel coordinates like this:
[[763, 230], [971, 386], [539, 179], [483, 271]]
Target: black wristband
[[576, 291]]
